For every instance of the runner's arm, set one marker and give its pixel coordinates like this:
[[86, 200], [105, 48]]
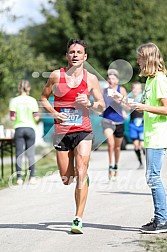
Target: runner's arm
[[99, 104], [46, 93]]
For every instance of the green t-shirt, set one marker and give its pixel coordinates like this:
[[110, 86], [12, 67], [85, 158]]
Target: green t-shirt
[[24, 107], [155, 126]]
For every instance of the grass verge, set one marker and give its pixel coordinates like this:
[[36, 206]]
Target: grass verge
[[44, 166], [155, 243]]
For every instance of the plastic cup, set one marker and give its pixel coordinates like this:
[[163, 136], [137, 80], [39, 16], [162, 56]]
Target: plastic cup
[[110, 92]]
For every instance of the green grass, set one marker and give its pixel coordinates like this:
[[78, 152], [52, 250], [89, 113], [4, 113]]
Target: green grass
[[44, 166], [155, 243]]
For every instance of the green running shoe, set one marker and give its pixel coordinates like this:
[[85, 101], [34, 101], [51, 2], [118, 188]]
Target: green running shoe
[[76, 226]]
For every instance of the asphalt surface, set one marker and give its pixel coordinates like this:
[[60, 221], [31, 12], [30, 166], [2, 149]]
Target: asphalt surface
[[37, 218]]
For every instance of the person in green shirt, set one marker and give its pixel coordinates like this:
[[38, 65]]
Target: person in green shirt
[[24, 114], [154, 105]]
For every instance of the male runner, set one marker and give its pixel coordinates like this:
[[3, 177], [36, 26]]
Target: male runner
[[71, 87]]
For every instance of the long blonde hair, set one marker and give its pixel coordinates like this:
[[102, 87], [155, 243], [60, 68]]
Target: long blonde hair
[[24, 86], [152, 61]]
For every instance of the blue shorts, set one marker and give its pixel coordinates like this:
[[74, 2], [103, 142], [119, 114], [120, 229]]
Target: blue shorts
[[136, 132]]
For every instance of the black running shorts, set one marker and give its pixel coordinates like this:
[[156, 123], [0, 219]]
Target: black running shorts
[[71, 140]]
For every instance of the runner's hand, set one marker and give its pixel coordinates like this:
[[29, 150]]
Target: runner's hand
[[61, 117], [82, 99]]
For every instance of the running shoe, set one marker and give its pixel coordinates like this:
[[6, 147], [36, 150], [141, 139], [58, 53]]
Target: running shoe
[[76, 227], [110, 173], [19, 181], [154, 227], [115, 172], [32, 181], [141, 166]]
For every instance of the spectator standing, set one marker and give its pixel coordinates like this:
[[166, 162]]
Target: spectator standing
[[154, 105], [24, 114]]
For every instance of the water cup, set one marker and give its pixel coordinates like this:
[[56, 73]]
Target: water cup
[[110, 92]]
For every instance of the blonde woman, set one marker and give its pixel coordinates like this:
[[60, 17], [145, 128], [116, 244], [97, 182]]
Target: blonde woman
[[154, 106], [24, 114]]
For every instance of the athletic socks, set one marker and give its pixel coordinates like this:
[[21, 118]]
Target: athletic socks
[[138, 154]]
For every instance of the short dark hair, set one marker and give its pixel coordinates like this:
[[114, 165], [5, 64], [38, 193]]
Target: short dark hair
[[77, 41]]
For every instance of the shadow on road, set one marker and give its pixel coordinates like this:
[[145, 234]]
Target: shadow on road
[[125, 192], [65, 227]]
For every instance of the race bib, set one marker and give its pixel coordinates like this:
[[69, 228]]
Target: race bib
[[74, 116]]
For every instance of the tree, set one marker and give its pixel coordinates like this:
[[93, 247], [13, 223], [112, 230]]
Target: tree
[[18, 61], [113, 29]]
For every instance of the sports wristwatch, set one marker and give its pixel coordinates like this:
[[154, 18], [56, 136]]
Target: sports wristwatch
[[91, 104]]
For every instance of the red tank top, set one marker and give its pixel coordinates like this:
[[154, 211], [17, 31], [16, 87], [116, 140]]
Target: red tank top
[[64, 100]]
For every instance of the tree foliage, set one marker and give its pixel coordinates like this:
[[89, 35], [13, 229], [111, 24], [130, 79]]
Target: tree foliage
[[113, 29], [18, 61]]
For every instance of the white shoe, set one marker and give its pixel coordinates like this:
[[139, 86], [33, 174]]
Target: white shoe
[[114, 178], [19, 181], [141, 166], [33, 181]]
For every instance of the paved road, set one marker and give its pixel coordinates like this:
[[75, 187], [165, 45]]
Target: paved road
[[37, 217]]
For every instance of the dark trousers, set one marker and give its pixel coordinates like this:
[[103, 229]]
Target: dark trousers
[[25, 144]]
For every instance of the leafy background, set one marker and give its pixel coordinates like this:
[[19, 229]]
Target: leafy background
[[113, 29]]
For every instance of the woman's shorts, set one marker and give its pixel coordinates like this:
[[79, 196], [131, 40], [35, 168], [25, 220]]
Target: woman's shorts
[[136, 132], [118, 129]]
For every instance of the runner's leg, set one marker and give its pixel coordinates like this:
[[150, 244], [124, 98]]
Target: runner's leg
[[118, 141], [65, 161], [110, 141], [82, 156]]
